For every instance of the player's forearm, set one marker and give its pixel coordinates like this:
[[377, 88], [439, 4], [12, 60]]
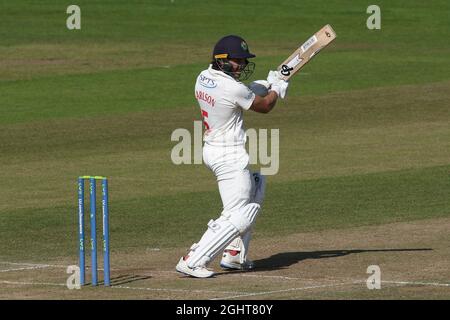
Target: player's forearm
[[271, 100], [266, 104]]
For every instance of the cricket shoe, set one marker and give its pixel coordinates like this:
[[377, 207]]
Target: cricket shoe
[[197, 272], [231, 260]]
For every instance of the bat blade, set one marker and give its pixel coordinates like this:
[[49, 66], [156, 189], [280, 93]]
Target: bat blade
[[306, 52]]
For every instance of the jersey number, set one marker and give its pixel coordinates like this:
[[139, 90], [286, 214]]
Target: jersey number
[[205, 115]]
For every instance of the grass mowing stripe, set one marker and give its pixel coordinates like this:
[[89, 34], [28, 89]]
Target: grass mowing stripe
[[369, 199], [173, 221], [118, 92]]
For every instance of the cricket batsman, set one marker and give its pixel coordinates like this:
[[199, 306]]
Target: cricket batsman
[[222, 98]]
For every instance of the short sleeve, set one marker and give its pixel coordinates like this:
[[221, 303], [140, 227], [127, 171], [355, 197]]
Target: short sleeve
[[243, 96]]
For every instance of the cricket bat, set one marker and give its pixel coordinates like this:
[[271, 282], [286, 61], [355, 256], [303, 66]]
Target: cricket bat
[[306, 52]]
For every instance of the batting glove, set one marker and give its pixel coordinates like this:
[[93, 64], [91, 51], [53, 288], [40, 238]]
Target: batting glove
[[274, 77], [280, 88]]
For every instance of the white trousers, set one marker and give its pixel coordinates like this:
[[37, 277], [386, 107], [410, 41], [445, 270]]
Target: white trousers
[[230, 166]]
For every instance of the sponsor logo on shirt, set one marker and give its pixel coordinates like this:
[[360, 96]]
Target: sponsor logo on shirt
[[200, 95], [206, 82]]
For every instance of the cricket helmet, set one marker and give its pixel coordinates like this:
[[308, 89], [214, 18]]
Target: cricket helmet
[[233, 47]]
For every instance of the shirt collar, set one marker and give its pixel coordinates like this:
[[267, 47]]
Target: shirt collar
[[219, 73]]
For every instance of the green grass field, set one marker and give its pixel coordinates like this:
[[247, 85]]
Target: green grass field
[[364, 131]]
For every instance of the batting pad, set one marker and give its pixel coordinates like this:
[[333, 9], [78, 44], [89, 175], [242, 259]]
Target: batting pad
[[243, 218], [259, 190], [241, 244], [218, 235], [246, 237]]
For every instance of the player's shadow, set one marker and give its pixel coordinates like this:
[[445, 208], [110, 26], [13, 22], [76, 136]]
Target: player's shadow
[[286, 259], [126, 278]]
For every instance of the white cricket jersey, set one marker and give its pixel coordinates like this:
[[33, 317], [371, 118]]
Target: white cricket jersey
[[222, 100]]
